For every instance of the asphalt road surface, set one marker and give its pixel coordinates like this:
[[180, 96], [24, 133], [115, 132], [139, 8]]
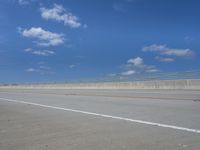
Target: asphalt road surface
[[99, 119]]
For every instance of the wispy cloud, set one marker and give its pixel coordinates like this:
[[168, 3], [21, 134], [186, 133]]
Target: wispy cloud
[[32, 70], [151, 70], [112, 74], [28, 50], [59, 13], [164, 59], [72, 66], [41, 69], [43, 52], [164, 50], [40, 52], [188, 39], [120, 7], [25, 2], [128, 73], [44, 38]]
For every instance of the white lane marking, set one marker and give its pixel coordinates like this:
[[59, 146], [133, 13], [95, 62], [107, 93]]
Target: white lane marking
[[105, 116]]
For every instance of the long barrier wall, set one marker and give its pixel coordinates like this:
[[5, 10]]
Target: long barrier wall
[[155, 84]]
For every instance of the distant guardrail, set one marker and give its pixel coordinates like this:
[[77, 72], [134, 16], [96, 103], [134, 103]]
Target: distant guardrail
[[194, 74], [153, 84], [185, 75]]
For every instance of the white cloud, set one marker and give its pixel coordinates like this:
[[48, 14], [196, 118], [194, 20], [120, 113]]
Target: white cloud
[[32, 70], [39, 52], [112, 74], [137, 65], [44, 67], [154, 47], [188, 39], [28, 50], [25, 2], [129, 72], [43, 52], [44, 38], [41, 63], [120, 7], [164, 50], [151, 70], [177, 52], [59, 14], [72, 66], [136, 61], [85, 26], [164, 59], [41, 70]]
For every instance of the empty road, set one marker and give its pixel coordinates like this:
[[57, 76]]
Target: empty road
[[99, 119]]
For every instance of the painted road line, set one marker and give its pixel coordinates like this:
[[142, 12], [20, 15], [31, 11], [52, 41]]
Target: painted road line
[[105, 116]]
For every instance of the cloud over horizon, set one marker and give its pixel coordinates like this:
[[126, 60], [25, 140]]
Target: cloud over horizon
[[89, 40], [137, 65]]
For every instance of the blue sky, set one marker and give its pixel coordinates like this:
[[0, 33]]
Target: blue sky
[[64, 40]]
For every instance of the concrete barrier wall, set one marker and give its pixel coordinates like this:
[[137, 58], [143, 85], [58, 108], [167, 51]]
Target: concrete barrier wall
[[156, 84]]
